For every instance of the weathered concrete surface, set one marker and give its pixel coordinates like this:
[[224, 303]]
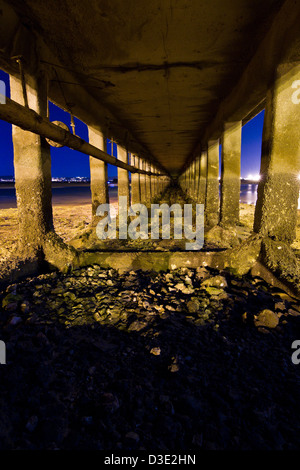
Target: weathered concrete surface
[[32, 164], [202, 178], [212, 184], [230, 174], [278, 190], [123, 177], [135, 182], [280, 259], [148, 193], [98, 169], [153, 56], [238, 260]]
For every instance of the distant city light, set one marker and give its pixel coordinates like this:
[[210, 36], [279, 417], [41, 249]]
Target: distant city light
[[253, 177]]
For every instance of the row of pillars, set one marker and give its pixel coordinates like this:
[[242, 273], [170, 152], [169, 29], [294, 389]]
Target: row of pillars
[[144, 187], [32, 164], [278, 189]]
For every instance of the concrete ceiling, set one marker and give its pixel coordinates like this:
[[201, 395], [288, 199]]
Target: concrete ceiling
[[161, 66]]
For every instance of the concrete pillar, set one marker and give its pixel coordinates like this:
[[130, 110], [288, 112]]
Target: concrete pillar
[[142, 181], [148, 184], [278, 190], [153, 192], [203, 176], [98, 169], [212, 184], [191, 178], [135, 182], [32, 164], [195, 178], [123, 177], [230, 174]]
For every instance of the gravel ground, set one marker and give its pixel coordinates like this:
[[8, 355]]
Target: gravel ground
[[177, 361]]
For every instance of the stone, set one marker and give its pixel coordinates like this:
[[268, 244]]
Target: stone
[[15, 320], [293, 312], [266, 318], [182, 287], [213, 291], [155, 351], [193, 306], [132, 436], [32, 423], [216, 281]]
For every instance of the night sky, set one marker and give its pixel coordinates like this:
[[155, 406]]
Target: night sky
[[70, 163]]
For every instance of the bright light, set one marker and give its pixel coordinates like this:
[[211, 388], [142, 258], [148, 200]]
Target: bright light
[[299, 176], [253, 177]]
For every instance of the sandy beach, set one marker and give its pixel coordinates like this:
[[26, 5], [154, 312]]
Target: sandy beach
[[71, 220]]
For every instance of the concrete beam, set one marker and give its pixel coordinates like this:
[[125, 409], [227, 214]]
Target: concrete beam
[[28, 119], [247, 97]]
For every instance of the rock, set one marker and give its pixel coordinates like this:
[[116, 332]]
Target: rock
[[280, 306], [97, 316], [183, 288], [214, 291], [137, 325], [110, 402], [15, 320], [132, 437], [32, 423], [25, 306], [155, 351], [293, 312], [193, 306], [216, 281], [266, 318]]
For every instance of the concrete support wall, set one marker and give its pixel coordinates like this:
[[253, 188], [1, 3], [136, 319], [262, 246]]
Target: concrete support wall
[[202, 182], [123, 177], [32, 164], [230, 174], [278, 190], [135, 182], [212, 184], [98, 169]]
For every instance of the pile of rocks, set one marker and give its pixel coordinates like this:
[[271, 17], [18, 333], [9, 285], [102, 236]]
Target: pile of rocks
[[180, 360]]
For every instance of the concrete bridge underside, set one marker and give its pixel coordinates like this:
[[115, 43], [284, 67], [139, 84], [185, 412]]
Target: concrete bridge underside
[[168, 82]]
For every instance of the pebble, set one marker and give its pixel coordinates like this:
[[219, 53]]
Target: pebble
[[82, 373], [266, 318]]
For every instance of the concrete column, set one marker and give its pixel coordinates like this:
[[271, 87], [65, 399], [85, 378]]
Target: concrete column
[[135, 182], [153, 191], [278, 190], [148, 184], [32, 164], [194, 181], [98, 169], [212, 184], [142, 181], [203, 176], [230, 174], [123, 177], [197, 181], [191, 180]]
